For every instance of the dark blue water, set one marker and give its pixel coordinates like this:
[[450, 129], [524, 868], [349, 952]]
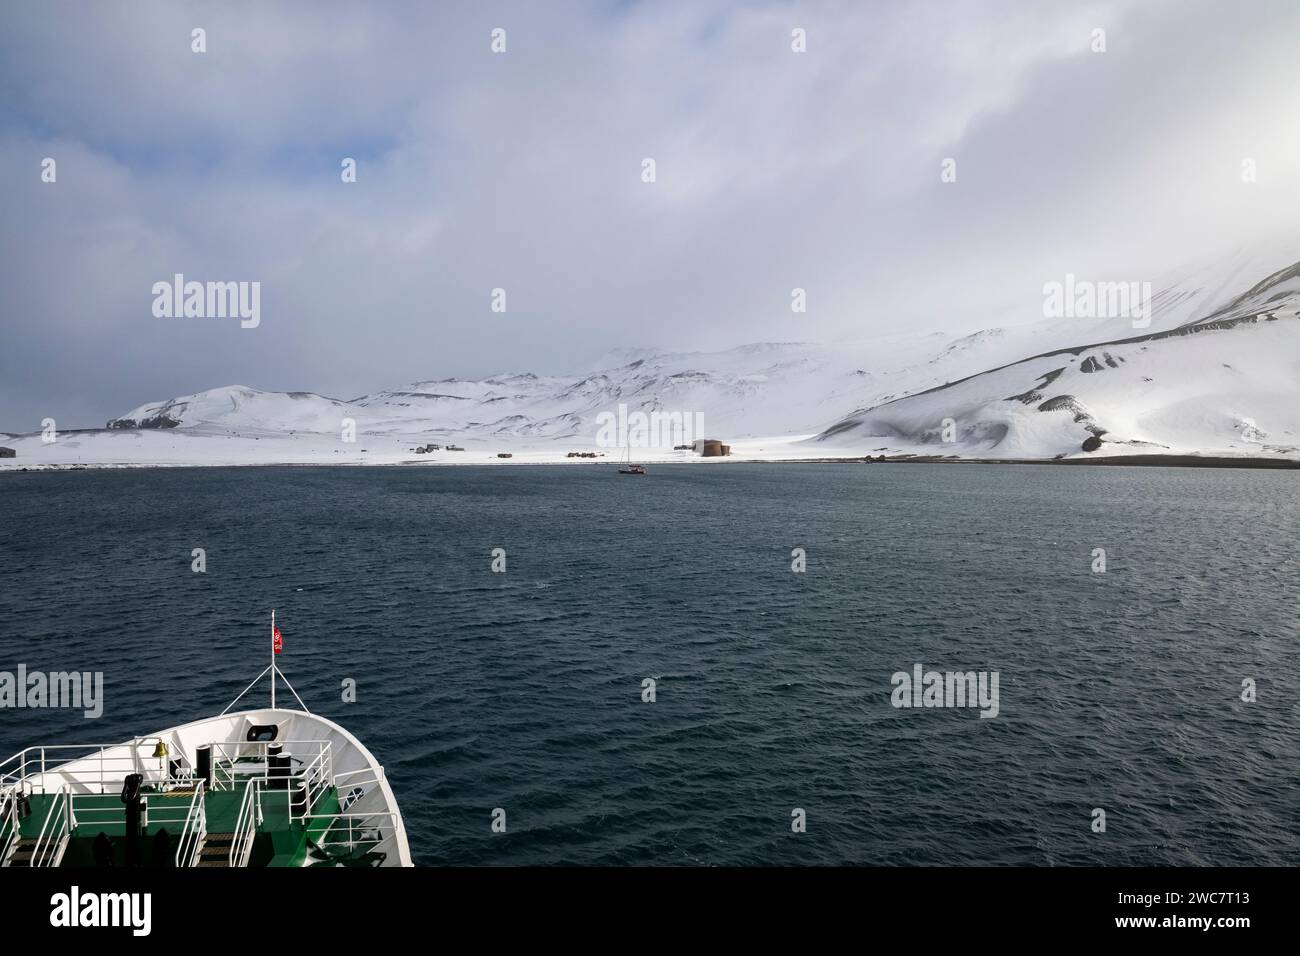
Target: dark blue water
[[522, 690]]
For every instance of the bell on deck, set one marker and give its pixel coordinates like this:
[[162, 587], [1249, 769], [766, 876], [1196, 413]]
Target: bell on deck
[[160, 754]]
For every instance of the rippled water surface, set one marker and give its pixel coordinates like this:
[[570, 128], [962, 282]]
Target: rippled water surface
[[522, 690]]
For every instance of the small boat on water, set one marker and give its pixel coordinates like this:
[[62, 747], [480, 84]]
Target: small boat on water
[[629, 468], [264, 787]]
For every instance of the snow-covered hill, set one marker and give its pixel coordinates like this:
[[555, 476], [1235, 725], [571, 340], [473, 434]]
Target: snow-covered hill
[[752, 391], [241, 409], [1212, 368], [1226, 383]]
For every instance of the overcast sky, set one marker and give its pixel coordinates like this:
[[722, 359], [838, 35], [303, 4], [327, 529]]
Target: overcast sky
[[523, 170]]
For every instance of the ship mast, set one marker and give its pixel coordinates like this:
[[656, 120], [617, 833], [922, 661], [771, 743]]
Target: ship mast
[[273, 658], [277, 645]]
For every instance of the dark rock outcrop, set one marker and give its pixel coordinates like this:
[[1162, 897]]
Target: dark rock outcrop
[[158, 421]]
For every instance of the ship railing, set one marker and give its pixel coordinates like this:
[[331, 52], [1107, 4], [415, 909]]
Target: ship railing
[[55, 831], [354, 784], [247, 823], [302, 792], [194, 831], [353, 778], [351, 830], [157, 811], [35, 769], [9, 822], [316, 779], [236, 762]]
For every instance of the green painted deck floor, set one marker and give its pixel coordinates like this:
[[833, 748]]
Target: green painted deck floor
[[279, 841]]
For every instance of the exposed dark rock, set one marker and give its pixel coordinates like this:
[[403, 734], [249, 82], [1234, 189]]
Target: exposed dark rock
[[1065, 403], [1033, 394], [1091, 443], [158, 421], [1068, 403]]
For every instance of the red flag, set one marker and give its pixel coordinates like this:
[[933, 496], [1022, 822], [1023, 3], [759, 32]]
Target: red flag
[[277, 640]]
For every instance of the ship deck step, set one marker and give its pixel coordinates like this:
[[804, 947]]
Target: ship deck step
[[216, 849], [23, 850]]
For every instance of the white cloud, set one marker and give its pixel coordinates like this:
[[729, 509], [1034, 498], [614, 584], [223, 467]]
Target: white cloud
[[521, 171]]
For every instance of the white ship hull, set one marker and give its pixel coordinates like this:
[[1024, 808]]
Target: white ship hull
[[327, 800]]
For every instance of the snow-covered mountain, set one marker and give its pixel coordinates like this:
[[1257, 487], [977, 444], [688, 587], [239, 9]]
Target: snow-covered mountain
[[241, 409], [1226, 383], [1212, 368], [755, 390]]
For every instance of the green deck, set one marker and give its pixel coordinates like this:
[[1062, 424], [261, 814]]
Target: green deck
[[278, 842]]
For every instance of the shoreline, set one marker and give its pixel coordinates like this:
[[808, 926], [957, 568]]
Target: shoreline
[[1132, 461]]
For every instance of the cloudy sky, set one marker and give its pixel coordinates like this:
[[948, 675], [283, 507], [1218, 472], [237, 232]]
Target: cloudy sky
[[522, 170]]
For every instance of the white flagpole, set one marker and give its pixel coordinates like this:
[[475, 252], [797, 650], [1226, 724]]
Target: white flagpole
[[273, 658]]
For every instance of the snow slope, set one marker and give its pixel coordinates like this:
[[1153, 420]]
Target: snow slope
[[241, 409], [1222, 384], [1215, 372]]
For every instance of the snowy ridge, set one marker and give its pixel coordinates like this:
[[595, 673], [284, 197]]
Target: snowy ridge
[[1214, 372], [240, 408], [750, 391], [1221, 384]]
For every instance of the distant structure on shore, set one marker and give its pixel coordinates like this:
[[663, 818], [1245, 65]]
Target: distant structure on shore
[[712, 448]]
